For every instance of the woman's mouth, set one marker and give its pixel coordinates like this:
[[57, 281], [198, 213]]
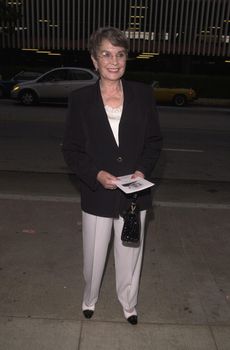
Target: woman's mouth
[[113, 70]]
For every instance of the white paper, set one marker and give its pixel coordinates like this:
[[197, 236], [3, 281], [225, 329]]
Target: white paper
[[129, 185]]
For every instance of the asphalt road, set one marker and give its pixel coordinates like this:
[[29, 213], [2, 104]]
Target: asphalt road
[[196, 148]]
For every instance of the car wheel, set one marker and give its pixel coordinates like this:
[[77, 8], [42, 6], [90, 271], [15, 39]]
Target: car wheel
[[28, 98], [179, 100]]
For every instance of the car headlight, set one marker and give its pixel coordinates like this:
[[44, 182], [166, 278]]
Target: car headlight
[[15, 88]]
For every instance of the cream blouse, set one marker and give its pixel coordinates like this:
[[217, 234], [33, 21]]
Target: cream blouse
[[114, 116]]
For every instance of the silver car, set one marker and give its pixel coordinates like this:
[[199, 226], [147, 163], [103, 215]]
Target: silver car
[[54, 85]]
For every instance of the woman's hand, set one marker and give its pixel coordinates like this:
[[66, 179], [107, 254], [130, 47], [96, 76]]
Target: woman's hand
[[107, 180], [138, 174]]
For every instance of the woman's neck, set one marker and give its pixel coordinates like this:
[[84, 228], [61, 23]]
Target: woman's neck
[[111, 87], [112, 93]]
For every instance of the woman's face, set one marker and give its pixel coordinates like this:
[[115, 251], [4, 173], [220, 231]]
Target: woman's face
[[110, 61]]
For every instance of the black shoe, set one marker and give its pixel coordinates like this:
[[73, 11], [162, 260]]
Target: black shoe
[[132, 319], [88, 313]]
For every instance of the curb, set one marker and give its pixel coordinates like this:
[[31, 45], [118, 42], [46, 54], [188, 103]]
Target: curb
[[215, 102]]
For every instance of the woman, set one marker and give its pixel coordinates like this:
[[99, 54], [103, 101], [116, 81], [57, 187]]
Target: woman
[[111, 130]]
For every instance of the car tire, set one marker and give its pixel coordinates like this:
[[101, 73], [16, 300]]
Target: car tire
[[28, 98], [179, 100]]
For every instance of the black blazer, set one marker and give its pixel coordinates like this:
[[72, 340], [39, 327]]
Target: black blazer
[[89, 145]]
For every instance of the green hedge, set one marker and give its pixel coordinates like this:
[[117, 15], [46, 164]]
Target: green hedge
[[205, 85]]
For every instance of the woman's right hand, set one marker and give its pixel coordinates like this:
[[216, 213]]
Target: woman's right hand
[[107, 180]]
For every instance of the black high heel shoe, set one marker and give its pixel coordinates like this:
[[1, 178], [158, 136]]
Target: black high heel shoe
[[88, 313], [132, 319]]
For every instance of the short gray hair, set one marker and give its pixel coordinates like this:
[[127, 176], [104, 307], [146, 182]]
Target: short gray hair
[[114, 35]]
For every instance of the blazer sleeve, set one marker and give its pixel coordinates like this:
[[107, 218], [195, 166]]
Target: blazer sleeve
[[153, 137], [75, 143]]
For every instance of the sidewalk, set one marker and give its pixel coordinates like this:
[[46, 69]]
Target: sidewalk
[[185, 285]]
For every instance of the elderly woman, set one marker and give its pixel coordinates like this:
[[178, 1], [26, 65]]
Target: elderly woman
[[112, 130]]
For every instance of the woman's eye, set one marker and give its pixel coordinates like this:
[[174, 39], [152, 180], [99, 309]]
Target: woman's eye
[[106, 54], [121, 55]]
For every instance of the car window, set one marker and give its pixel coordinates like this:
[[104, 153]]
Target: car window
[[74, 74], [26, 76], [56, 75]]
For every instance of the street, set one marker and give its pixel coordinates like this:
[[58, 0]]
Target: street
[[195, 154], [196, 141]]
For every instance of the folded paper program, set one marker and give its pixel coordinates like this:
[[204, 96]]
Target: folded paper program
[[129, 185]]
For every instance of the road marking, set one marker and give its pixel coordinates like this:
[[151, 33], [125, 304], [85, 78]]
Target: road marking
[[76, 199], [183, 150]]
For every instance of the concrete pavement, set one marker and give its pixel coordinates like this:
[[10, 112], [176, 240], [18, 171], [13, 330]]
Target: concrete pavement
[[185, 285]]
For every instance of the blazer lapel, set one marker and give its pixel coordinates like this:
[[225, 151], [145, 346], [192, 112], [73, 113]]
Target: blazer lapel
[[127, 98], [102, 122], [127, 114]]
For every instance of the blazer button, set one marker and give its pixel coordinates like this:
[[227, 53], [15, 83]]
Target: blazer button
[[119, 159]]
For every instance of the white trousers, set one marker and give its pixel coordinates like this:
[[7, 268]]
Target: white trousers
[[128, 260]]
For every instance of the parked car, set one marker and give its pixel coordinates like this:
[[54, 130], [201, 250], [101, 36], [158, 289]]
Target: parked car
[[7, 85], [176, 96], [54, 85]]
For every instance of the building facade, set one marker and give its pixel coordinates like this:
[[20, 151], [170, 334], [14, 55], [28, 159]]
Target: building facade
[[173, 27]]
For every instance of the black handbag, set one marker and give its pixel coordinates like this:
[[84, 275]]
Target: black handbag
[[131, 229]]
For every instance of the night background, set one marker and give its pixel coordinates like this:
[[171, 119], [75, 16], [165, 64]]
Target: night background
[[185, 40]]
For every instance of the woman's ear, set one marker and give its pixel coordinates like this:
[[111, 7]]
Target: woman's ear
[[94, 63]]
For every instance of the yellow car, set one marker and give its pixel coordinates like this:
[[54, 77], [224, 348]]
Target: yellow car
[[176, 96]]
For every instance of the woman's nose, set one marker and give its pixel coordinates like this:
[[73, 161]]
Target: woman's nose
[[114, 60]]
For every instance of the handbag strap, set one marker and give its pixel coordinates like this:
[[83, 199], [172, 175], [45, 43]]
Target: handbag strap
[[134, 197], [133, 202]]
